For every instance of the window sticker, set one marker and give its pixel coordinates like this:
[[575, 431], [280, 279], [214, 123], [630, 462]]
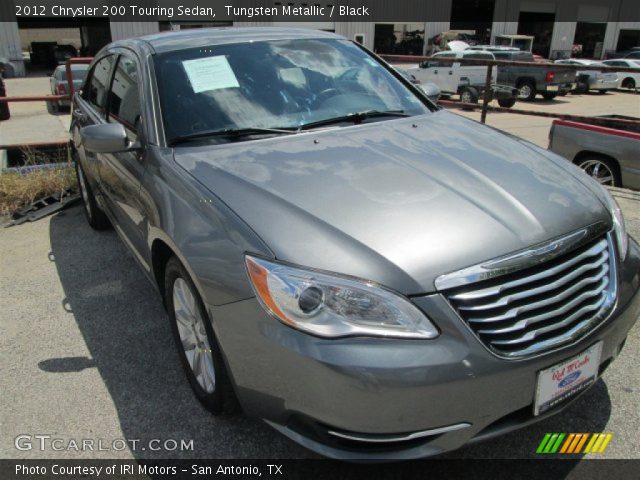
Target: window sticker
[[211, 73]]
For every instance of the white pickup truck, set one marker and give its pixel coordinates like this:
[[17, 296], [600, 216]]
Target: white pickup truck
[[465, 80]]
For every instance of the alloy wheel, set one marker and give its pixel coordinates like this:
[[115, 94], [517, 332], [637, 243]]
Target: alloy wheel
[[525, 91], [598, 171], [193, 335]]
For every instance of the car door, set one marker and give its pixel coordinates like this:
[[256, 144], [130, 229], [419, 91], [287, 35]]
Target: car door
[[90, 109], [437, 71], [121, 173]]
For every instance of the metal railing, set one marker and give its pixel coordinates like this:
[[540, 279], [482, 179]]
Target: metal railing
[[485, 108], [53, 98]]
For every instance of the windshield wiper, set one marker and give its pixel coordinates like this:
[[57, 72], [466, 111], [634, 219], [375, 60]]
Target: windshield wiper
[[232, 133], [355, 117]]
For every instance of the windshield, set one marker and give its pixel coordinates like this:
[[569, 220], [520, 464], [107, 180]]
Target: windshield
[[274, 84], [79, 72]]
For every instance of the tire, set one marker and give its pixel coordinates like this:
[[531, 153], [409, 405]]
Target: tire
[[581, 88], [507, 102], [603, 170], [202, 361], [563, 93], [602, 92], [549, 95], [95, 216], [469, 95], [527, 90], [628, 83]]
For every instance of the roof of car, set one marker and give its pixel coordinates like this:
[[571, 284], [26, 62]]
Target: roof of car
[[194, 38]]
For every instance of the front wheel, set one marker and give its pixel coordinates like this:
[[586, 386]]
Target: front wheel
[[198, 348], [602, 170]]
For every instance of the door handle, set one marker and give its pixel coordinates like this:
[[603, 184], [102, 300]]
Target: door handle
[[435, 71], [450, 72]]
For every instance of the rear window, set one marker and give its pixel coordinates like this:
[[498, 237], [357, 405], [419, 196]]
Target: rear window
[[479, 56]]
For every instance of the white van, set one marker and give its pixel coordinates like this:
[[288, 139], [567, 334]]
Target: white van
[[452, 77], [467, 81]]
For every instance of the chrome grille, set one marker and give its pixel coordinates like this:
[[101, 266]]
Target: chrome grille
[[539, 308]]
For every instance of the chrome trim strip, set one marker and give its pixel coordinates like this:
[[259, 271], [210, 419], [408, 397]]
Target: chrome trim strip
[[362, 437], [597, 249], [506, 300], [606, 293], [531, 335], [514, 312], [517, 261]]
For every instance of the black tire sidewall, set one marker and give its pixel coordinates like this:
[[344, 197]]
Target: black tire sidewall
[[219, 401], [507, 102]]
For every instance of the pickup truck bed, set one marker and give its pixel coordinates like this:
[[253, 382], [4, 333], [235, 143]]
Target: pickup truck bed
[[609, 154]]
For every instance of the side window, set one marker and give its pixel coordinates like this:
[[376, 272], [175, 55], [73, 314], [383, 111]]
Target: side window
[[124, 99], [98, 83]]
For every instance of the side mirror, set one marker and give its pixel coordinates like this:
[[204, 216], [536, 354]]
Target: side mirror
[[106, 138], [431, 90]]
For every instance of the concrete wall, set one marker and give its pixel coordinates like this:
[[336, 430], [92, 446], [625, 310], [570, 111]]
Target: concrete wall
[[10, 48], [350, 29], [120, 30], [65, 36]]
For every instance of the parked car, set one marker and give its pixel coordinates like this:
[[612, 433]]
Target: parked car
[[549, 82], [591, 79], [608, 154], [467, 81], [375, 277], [59, 84], [630, 53], [628, 79]]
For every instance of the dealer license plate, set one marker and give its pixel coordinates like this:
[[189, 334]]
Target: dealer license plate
[[566, 379]]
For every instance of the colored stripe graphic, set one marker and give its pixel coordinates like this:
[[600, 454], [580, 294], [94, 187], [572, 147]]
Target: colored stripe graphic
[[605, 443], [543, 443], [592, 440], [582, 442], [550, 443], [569, 443]]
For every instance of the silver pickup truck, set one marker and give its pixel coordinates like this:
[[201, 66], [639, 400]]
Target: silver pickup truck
[[549, 81], [608, 154]]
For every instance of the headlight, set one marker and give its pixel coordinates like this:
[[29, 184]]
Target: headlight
[[333, 306], [622, 240]]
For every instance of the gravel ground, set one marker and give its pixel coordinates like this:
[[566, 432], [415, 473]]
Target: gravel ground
[[86, 352]]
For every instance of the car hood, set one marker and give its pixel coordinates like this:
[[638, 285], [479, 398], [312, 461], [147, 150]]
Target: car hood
[[399, 201]]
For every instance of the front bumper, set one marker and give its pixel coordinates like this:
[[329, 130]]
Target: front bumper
[[386, 388]]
